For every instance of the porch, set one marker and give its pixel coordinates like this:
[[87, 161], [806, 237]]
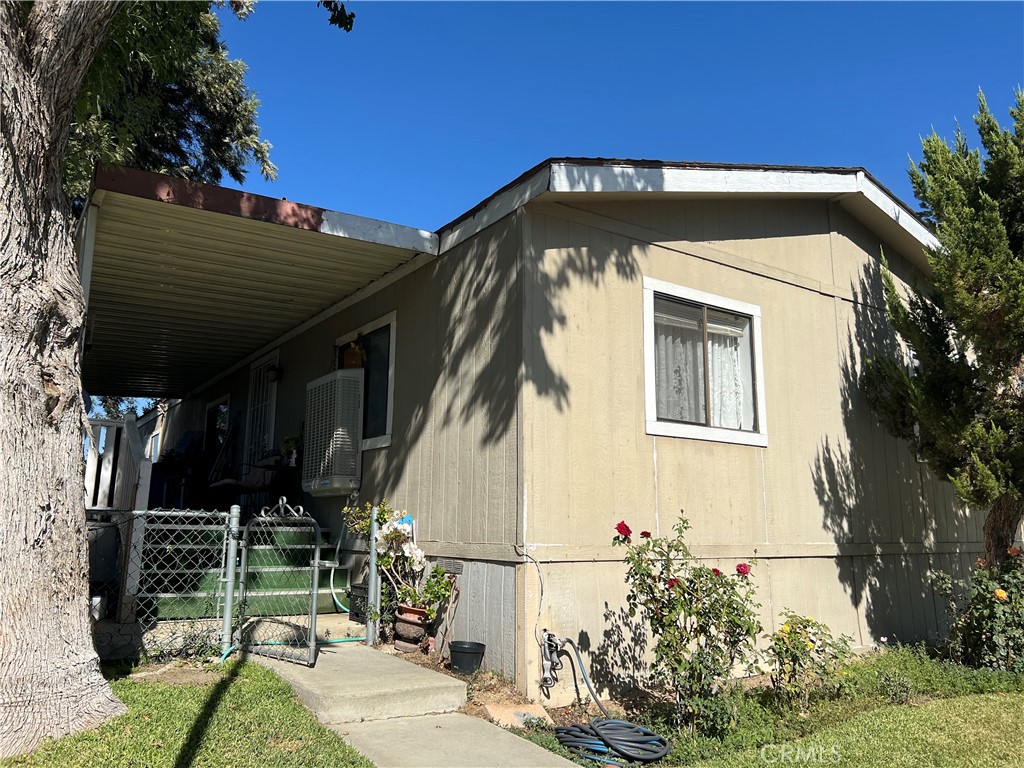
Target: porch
[[186, 284]]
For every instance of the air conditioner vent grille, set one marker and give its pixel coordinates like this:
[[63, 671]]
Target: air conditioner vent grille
[[332, 453]]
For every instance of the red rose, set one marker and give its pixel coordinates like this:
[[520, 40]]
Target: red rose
[[623, 529], [743, 569], [672, 583], [645, 534], [716, 572]]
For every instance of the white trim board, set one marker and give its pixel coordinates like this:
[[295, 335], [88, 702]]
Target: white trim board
[[378, 232]]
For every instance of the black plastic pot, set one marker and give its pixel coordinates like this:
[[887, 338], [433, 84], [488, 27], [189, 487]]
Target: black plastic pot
[[466, 656]]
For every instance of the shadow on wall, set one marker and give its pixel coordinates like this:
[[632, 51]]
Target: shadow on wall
[[617, 665], [877, 498], [474, 369]]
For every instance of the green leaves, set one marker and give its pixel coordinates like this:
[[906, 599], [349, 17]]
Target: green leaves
[[961, 406], [704, 621], [987, 615], [163, 95], [804, 658], [337, 15]]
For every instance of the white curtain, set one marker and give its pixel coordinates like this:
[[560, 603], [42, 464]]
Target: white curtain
[[726, 384], [679, 360]]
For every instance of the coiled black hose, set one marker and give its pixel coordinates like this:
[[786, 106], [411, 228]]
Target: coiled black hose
[[614, 742]]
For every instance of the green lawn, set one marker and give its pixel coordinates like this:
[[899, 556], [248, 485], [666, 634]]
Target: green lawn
[[957, 716], [967, 731], [248, 719]]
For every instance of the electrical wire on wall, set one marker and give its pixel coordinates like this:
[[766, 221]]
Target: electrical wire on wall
[[540, 599]]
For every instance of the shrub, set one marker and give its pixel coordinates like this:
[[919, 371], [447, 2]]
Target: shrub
[[895, 685], [987, 615], [925, 674], [703, 621], [804, 658]]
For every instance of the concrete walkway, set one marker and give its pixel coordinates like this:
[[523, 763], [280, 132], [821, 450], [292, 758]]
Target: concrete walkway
[[401, 715]]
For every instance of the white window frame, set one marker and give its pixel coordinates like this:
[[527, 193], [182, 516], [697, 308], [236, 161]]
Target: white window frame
[[381, 441], [759, 438]]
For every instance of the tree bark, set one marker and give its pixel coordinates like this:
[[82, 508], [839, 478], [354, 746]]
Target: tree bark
[[50, 682], [1001, 526]]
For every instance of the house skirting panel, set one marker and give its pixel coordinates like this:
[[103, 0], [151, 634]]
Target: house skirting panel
[[866, 597]]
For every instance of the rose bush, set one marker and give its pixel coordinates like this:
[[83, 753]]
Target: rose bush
[[704, 623], [987, 614]]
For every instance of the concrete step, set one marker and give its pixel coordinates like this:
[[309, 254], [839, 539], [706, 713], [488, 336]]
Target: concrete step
[[352, 682]]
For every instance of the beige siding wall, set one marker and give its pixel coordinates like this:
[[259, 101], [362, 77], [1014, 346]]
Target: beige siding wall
[[844, 522], [453, 461]]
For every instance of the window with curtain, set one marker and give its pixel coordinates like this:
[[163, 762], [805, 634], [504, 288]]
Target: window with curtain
[[702, 359]]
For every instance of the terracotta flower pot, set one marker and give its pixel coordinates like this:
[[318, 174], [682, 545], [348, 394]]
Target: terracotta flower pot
[[410, 627], [351, 358]]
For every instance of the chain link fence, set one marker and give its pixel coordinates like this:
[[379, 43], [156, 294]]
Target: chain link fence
[[190, 583], [157, 581]]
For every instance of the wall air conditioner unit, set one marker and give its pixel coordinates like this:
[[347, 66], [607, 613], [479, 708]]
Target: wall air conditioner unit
[[332, 451]]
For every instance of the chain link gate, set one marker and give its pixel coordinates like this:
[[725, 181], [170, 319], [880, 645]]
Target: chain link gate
[[278, 584]]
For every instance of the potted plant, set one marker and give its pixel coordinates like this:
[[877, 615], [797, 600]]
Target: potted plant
[[417, 588], [353, 356]]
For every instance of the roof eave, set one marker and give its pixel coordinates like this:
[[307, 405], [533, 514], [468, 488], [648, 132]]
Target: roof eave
[[233, 202], [572, 176]]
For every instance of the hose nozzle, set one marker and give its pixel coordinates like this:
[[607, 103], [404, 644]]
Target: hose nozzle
[[550, 645]]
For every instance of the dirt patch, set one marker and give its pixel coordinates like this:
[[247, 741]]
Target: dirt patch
[[178, 673], [482, 688]]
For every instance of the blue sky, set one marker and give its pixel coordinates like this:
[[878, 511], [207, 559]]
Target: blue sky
[[426, 108]]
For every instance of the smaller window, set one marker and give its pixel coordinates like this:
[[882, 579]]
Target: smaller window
[[153, 452], [702, 356], [376, 341]]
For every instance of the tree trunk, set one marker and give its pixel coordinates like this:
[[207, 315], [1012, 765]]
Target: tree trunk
[[50, 682], [1001, 526]]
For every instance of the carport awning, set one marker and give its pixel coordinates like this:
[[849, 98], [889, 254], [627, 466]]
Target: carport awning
[[184, 280]]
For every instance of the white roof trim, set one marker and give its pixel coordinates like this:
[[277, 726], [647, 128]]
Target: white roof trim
[[630, 179], [627, 179], [378, 232], [578, 178], [497, 208], [887, 205]]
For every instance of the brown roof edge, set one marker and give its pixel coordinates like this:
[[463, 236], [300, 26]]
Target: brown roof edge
[[206, 197], [603, 161]]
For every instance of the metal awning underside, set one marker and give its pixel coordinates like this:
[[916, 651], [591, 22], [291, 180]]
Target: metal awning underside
[[183, 279]]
